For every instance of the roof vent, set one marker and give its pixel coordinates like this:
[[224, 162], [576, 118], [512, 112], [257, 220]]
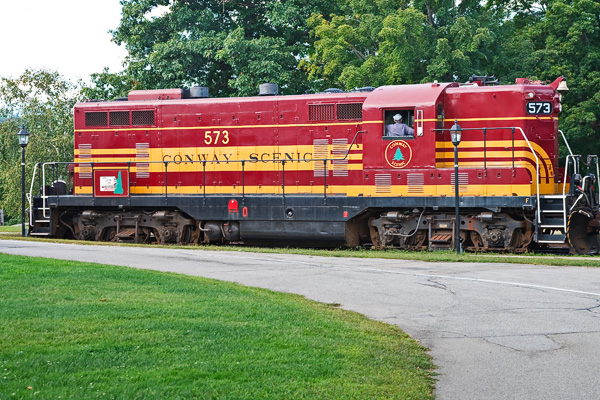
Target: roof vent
[[268, 89], [198, 92], [333, 90], [364, 89]]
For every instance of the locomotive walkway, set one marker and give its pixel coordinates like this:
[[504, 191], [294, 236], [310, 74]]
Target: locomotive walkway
[[496, 331]]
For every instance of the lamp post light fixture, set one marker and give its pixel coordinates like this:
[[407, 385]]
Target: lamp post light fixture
[[23, 136], [455, 136]]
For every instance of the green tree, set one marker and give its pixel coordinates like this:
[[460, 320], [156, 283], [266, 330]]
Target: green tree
[[376, 45], [259, 60], [559, 38], [406, 43], [466, 49], [390, 42], [231, 46], [42, 102], [571, 34], [107, 85], [344, 52], [10, 171]]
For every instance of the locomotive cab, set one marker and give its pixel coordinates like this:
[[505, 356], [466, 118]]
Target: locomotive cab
[[399, 117]]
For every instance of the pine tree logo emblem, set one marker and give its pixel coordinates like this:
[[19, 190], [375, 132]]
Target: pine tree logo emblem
[[398, 154]]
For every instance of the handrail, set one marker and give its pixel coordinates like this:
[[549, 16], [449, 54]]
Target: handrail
[[537, 173], [117, 164], [30, 194], [575, 170], [44, 195], [282, 161], [566, 142], [574, 159], [43, 184], [564, 197], [350, 147]]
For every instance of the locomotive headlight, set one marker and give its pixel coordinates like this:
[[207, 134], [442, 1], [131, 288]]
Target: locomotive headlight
[[531, 95]]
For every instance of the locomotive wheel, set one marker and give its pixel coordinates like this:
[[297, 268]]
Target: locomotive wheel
[[375, 237], [583, 239], [190, 235], [520, 240]]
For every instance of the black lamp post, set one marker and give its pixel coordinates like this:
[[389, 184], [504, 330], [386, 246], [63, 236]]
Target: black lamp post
[[455, 136], [23, 141]]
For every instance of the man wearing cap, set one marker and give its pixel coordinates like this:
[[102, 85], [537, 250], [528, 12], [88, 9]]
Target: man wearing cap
[[398, 128]]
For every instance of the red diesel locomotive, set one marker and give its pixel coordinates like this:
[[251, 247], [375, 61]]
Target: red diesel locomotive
[[327, 169]]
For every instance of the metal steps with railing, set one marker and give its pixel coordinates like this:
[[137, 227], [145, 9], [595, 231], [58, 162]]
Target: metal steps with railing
[[39, 210], [39, 221], [552, 219], [551, 212]]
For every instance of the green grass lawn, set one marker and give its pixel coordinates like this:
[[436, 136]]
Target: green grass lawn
[[11, 229], [72, 330]]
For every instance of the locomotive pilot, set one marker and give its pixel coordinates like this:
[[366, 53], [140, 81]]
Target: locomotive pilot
[[398, 128]]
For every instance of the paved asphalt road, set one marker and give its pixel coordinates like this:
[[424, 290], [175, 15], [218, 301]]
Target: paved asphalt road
[[496, 331]]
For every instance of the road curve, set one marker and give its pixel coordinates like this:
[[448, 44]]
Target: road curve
[[496, 331]]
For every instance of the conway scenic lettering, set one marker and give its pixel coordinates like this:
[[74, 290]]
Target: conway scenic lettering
[[226, 158]]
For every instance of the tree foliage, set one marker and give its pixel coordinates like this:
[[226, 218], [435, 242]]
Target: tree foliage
[[373, 46], [231, 46], [390, 42], [571, 30], [41, 101]]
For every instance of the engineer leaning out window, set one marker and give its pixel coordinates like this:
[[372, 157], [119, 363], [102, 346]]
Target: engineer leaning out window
[[397, 126]]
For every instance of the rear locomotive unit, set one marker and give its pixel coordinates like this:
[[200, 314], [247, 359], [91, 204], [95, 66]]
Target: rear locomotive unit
[[373, 167]]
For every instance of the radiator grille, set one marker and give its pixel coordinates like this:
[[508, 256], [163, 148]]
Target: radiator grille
[[349, 111], [144, 117], [321, 112], [118, 118], [96, 118]]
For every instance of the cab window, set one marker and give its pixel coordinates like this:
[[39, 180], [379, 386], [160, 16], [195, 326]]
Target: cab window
[[399, 123]]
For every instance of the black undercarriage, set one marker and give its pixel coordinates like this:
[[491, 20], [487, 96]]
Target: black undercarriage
[[498, 224]]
